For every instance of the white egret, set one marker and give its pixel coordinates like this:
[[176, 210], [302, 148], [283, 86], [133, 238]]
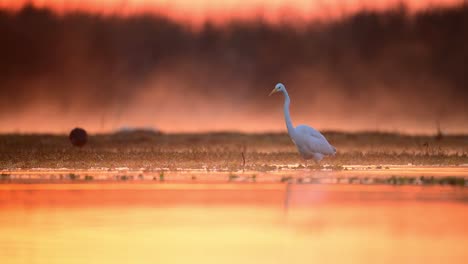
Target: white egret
[[310, 143]]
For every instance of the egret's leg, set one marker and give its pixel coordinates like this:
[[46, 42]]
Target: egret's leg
[[317, 163], [317, 158]]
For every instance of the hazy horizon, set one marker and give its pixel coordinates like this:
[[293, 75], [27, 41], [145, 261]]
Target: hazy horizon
[[393, 70], [196, 12]]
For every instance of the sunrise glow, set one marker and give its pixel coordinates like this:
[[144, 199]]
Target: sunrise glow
[[198, 11]]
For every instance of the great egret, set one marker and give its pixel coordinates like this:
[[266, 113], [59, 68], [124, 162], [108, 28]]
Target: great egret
[[310, 143]]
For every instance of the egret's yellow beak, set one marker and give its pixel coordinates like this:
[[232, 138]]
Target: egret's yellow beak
[[272, 92]]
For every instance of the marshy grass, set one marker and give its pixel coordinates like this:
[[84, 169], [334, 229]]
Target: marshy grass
[[161, 176], [225, 151], [304, 177], [285, 179], [405, 180], [392, 180], [88, 178], [233, 177], [124, 177], [254, 178], [4, 176], [73, 176]]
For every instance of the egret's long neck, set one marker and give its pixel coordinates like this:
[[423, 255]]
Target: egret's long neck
[[287, 117]]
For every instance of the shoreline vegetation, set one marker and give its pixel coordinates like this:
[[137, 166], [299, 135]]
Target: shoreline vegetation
[[459, 178], [225, 151]]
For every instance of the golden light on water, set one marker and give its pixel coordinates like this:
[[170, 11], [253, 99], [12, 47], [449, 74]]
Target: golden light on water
[[231, 225]]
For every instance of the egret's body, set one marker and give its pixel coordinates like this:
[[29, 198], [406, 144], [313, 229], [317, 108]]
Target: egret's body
[[310, 143]]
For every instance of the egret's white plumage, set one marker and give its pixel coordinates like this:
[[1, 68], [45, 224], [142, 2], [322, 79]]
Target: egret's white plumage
[[310, 143]]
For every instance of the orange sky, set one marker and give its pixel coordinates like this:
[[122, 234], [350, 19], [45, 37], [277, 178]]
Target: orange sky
[[199, 10]]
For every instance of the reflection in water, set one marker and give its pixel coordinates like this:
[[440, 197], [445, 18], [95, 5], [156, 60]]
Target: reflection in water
[[232, 223]]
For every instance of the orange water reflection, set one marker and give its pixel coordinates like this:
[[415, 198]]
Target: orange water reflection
[[232, 223]]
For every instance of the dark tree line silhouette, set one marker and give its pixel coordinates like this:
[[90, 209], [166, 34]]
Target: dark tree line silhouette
[[415, 59]]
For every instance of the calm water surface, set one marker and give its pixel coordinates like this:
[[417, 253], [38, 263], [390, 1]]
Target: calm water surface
[[232, 223]]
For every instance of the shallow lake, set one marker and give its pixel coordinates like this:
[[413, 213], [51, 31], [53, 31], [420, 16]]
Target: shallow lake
[[232, 223]]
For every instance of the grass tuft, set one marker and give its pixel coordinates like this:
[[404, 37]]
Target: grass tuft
[[161, 176], [285, 179], [233, 177], [254, 178]]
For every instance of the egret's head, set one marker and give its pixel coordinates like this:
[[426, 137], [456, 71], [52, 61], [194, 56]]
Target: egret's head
[[278, 88]]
